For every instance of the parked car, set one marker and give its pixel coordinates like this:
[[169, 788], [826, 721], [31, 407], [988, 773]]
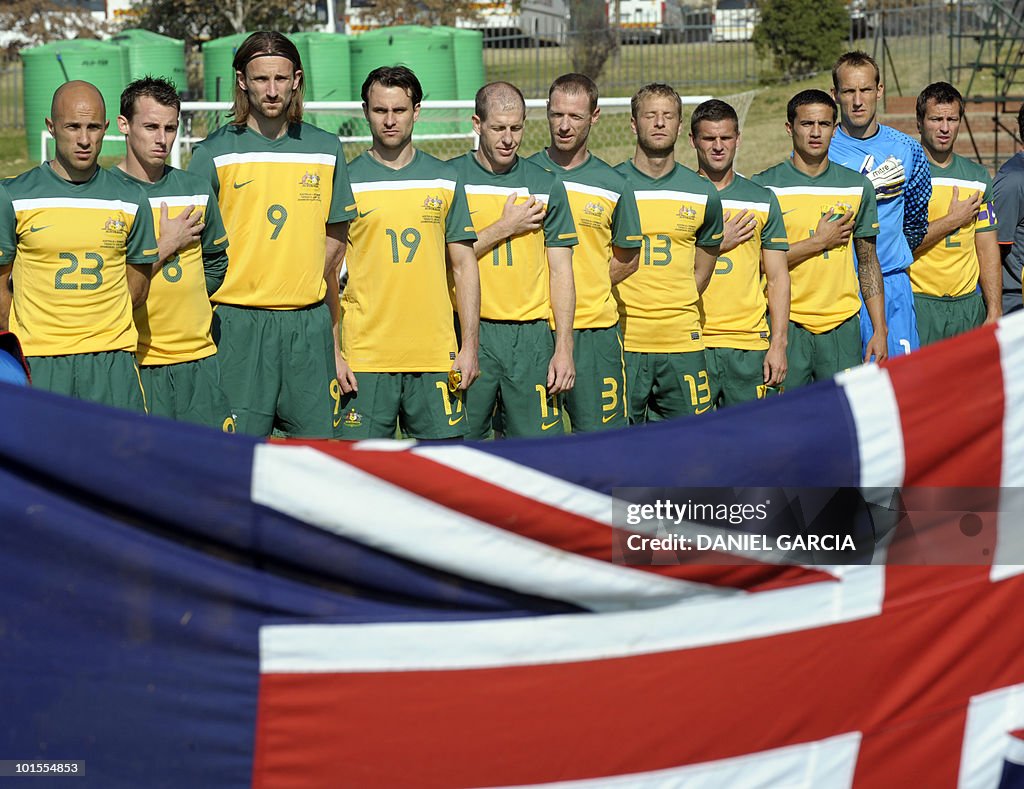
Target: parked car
[[734, 20]]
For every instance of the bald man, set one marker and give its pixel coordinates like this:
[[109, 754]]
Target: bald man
[[78, 246], [525, 234]]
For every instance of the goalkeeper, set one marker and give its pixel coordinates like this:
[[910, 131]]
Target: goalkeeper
[[898, 169]]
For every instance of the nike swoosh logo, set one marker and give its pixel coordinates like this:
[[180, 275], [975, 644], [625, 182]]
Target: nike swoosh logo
[[337, 421], [790, 211], [702, 410], [546, 427], [474, 212], [606, 419], [244, 183], [366, 213], [35, 229], [456, 421]]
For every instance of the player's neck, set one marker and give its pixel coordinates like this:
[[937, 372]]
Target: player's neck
[[395, 159], [136, 169], [654, 165], [568, 159], [939, 158], [493, 167], [812, 166], [720, 179], [271, 128], [72, 175], [860, 132]]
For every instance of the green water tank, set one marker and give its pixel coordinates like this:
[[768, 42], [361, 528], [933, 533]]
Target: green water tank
[[49, 66], [468, 47], [151, 54], [328, 71], [427, 51], [218, 72]]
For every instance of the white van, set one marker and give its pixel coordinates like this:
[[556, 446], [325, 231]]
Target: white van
[[734, 20], [548, 20]]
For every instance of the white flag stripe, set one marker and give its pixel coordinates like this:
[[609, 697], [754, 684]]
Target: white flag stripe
[[1009, 535], [822, 764], [274, 158], [570, 638], [594, 191], [35, 203], [395, 186], [989, 717], [876, 417], [319, 489], [179, 201], [665, 194]]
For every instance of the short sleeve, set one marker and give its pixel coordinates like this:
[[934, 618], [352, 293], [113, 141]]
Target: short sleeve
[[626, 220], [343, 202], [773, 235], [458, 225], [710, 232], [866, 224], [559, 229]]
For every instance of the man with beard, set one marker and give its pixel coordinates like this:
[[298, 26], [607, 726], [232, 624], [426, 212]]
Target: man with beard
[[284, 193], [681, 220], [608, 225], [398, 338]]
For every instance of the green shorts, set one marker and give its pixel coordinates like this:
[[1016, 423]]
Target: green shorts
[[277, 367], [421, 404], [666, 385], [188, 392], [111, 377], [737, 376], [514, 359], [941, 317], [598, 400], [818, 357]]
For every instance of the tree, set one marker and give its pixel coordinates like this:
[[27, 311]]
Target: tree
[[28, 23], [593, 41], [802, 36], [197, 20]]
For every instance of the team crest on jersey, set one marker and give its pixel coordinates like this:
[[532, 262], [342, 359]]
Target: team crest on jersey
[[353, 418], [593, 209], [115, 225], [687, 212], [432, 203], [310, 181], [838, 209]]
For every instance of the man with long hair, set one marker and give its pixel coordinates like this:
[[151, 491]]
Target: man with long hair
[[284, 193]]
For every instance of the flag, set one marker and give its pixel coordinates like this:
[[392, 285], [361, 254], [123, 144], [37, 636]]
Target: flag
[[180, 607]]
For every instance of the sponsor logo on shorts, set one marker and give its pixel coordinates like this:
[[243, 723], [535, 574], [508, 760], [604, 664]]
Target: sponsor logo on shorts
[[353, 418], [455, 420], [606, 419], [702, 410], [550, 425]]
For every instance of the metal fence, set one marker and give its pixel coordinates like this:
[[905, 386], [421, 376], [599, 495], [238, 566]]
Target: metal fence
[[11, 104]]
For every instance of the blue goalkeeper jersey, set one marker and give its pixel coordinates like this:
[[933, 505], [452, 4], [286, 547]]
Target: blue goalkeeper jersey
[[897, 167]]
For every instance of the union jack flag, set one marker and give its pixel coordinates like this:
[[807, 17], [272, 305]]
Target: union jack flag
[[179, 607]]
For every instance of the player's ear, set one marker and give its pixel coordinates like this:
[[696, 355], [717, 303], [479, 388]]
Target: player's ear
[[122, 124], [595, 115], [415, 113]]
